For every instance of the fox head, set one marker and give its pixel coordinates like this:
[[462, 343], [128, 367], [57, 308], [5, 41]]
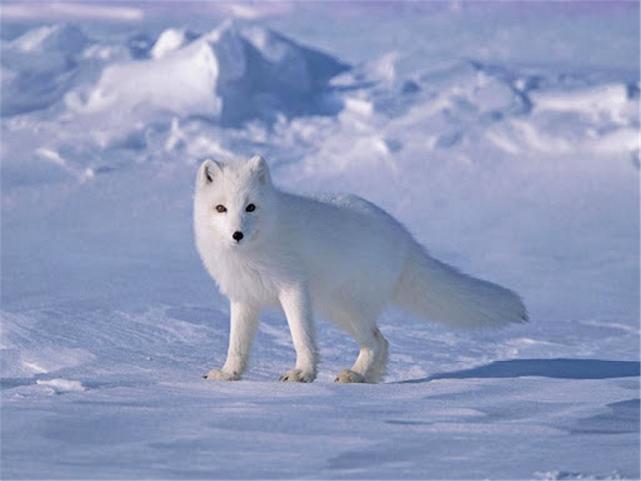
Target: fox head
[[233, 201]]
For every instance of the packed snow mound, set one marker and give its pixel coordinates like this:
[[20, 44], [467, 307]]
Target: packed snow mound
[[181, 83], [171, 40], [608, 102], [229, 74], [60, 386], [51, 38], [39, 67]]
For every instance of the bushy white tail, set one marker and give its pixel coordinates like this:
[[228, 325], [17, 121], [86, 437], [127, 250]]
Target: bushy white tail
[[438, 292]]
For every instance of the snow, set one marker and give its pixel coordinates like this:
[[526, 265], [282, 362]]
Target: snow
[[169, 41], [506, 141], [61, 385]]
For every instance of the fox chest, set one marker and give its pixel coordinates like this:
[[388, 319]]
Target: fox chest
[[247, 282]]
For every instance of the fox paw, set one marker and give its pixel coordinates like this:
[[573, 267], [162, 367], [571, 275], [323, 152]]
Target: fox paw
[[221, 375], [297, 375], [349, 376]]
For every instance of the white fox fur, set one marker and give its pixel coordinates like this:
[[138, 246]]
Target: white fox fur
[[340, 257]]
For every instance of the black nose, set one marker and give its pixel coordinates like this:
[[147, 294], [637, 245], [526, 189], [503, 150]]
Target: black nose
[[237, 236]]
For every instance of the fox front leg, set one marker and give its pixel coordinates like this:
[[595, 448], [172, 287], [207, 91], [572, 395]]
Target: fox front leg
[[244, 321], [298, 310]]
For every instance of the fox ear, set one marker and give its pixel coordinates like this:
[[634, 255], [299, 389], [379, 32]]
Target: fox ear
[[208, 170], [260, 168]]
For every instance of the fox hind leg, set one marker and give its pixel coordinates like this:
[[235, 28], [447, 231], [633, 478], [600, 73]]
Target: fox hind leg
[[371, 361]]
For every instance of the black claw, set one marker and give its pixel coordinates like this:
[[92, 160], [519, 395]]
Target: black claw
[[204, 376]]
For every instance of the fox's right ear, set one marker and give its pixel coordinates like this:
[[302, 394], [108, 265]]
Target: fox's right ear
[[209, 170]]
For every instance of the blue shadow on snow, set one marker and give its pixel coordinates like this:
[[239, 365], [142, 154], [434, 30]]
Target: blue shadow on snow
[[552, 368]]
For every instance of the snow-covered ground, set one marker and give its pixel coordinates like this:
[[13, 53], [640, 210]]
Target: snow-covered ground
[[504, 135]]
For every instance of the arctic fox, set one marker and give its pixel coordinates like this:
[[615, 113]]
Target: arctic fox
[[340, 257]]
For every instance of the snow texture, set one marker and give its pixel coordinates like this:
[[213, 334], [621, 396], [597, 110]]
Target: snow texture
[[505, 136]]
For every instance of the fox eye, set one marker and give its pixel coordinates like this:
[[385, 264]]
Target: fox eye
[[250, 208], [221, 208]]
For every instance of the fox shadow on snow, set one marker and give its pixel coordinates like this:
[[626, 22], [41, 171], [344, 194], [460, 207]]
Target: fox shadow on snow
[[551, 368]]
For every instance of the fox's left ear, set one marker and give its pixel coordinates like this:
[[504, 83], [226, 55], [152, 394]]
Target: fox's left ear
[[260, 169]]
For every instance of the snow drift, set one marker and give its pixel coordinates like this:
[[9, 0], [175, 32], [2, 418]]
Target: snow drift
[[229, 74], [39, 67]]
